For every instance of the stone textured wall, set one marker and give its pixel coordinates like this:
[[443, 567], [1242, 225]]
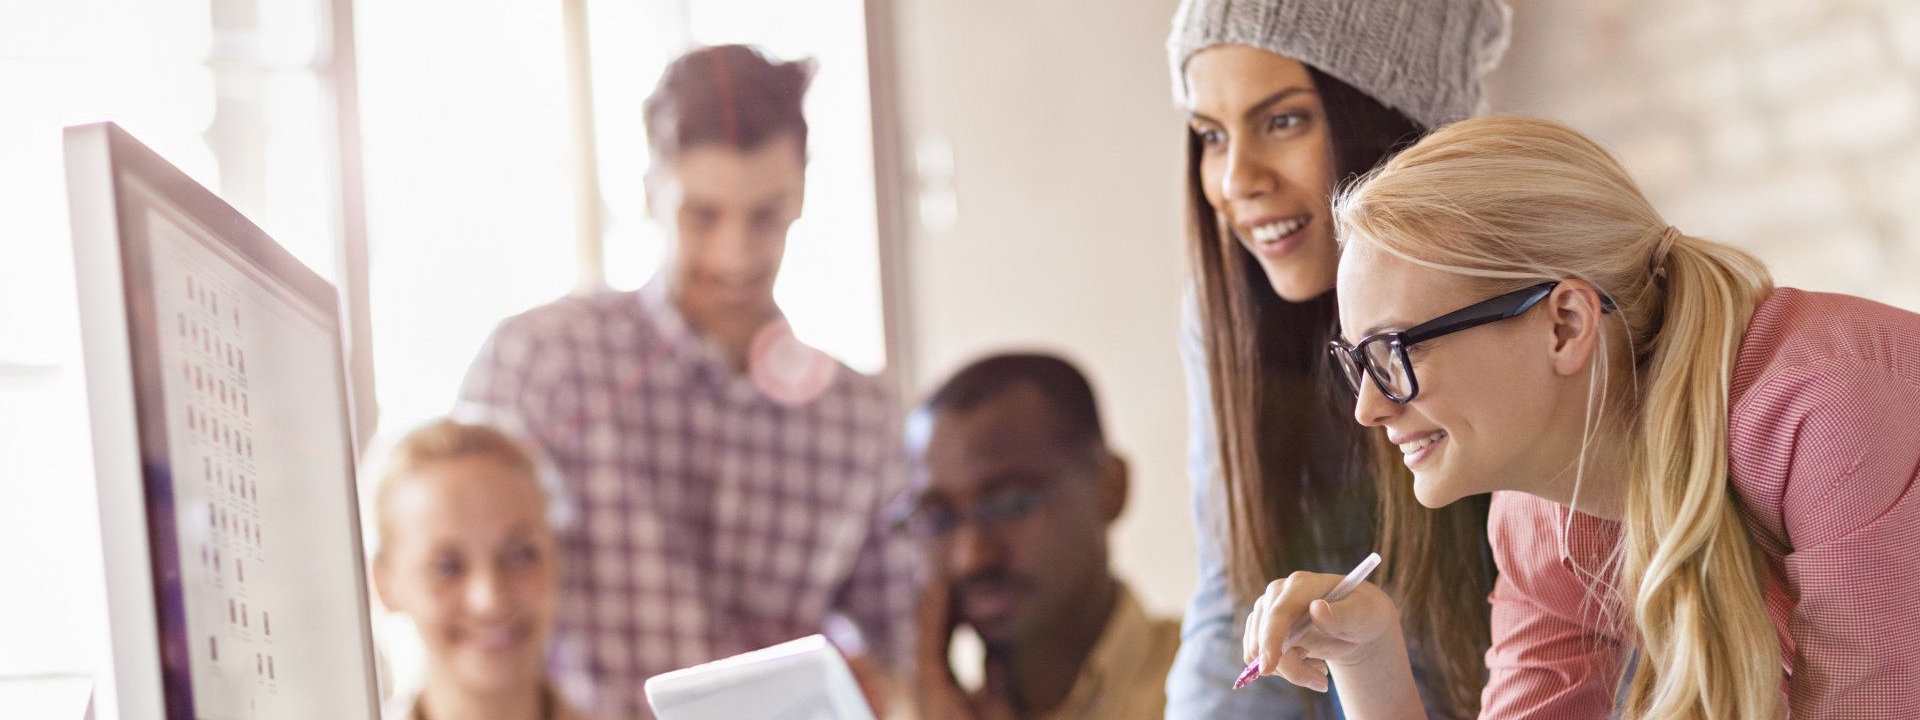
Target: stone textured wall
[[1789, 127]]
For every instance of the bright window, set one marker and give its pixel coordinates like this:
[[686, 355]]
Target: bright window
[[470, 212], [830, 283], [235, 95], [468, 173]]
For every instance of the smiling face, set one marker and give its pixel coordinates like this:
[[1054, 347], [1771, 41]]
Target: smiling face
[[1500, 407], [468, 555], [1266, 164]]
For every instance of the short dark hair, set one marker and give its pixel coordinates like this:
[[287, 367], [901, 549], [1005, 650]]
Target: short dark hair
[[729, 94], [1076, 415]]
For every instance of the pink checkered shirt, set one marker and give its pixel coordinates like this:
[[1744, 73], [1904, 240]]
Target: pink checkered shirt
[[706, 519], [1824, 446]]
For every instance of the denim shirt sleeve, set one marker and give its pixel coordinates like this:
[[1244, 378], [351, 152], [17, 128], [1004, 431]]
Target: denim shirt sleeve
[[1200, 685]]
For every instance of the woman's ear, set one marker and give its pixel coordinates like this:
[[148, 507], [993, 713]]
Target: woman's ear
[[383, 580], [1577, 312]]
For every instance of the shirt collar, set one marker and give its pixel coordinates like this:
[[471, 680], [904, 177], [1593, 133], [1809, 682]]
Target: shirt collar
[[1117, 656], [656, 303], [552, 707], [658, 306], [1588, 544]]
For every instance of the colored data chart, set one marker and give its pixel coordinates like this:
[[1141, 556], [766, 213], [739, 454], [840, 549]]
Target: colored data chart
[[209, 329]]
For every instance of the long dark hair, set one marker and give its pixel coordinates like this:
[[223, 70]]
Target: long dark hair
[[1289, 454]]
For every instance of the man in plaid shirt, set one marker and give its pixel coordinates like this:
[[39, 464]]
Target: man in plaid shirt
[[727, 484]]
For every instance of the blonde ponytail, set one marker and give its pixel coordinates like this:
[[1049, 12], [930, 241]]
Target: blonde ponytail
[[1708, 646], [1512, 201]]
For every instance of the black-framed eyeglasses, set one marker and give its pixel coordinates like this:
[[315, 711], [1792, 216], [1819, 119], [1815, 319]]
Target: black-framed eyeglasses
[[993, 513], [1383, 356]]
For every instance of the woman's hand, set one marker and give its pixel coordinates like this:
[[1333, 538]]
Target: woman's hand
[[1356, 641]]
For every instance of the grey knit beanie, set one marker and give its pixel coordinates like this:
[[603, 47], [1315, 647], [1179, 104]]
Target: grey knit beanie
[[1424, 58]]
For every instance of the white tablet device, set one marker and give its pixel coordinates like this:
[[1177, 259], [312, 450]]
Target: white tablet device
[[803, 679]]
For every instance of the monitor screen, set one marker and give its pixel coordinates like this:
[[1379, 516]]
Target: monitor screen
[[223, 452]]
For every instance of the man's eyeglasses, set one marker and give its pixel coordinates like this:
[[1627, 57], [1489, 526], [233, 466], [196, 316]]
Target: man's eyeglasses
[[1383, 356], [995, 511]]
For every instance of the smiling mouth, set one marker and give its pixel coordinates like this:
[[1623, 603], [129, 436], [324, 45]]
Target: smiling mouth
[[1415, 450], [1272, 233], [1413, 446], [498, 638]]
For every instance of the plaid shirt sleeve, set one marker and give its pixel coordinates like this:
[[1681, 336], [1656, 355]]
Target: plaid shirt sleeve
[[510, 387], [880, 592], [495, 389], [519, 382]]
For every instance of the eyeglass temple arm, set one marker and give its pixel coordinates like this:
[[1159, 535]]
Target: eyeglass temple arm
[[1499, 308]]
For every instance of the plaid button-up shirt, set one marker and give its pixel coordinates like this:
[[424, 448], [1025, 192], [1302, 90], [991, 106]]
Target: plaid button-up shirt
[[699, 518]]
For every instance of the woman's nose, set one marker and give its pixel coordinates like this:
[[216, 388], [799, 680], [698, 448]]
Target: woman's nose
[[1247, 175], [485, 593], [1371, 407]]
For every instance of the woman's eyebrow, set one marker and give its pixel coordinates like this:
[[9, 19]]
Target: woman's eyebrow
[[1378, 328], [1259, 107]]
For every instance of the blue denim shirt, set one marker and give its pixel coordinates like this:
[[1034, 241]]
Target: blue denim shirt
[[1200, 685]]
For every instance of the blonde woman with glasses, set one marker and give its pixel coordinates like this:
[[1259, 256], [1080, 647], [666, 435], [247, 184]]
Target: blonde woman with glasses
[[1688, 465]]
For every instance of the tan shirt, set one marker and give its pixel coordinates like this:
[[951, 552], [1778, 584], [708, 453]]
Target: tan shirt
[[409, 708], [1125, 677]]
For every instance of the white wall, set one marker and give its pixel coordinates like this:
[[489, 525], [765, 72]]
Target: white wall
[[1065, 232], [1789, 128]]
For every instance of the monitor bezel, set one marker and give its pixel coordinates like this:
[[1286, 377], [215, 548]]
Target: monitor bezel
[[151, 675]]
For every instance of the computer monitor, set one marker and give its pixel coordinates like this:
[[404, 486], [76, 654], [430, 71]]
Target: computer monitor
[[223, 453]]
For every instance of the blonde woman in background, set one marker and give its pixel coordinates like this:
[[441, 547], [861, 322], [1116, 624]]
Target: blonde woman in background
[[467, 554], [1686, 462]]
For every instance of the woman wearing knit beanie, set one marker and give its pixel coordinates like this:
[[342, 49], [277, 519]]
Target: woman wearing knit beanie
[[1288, 100]]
